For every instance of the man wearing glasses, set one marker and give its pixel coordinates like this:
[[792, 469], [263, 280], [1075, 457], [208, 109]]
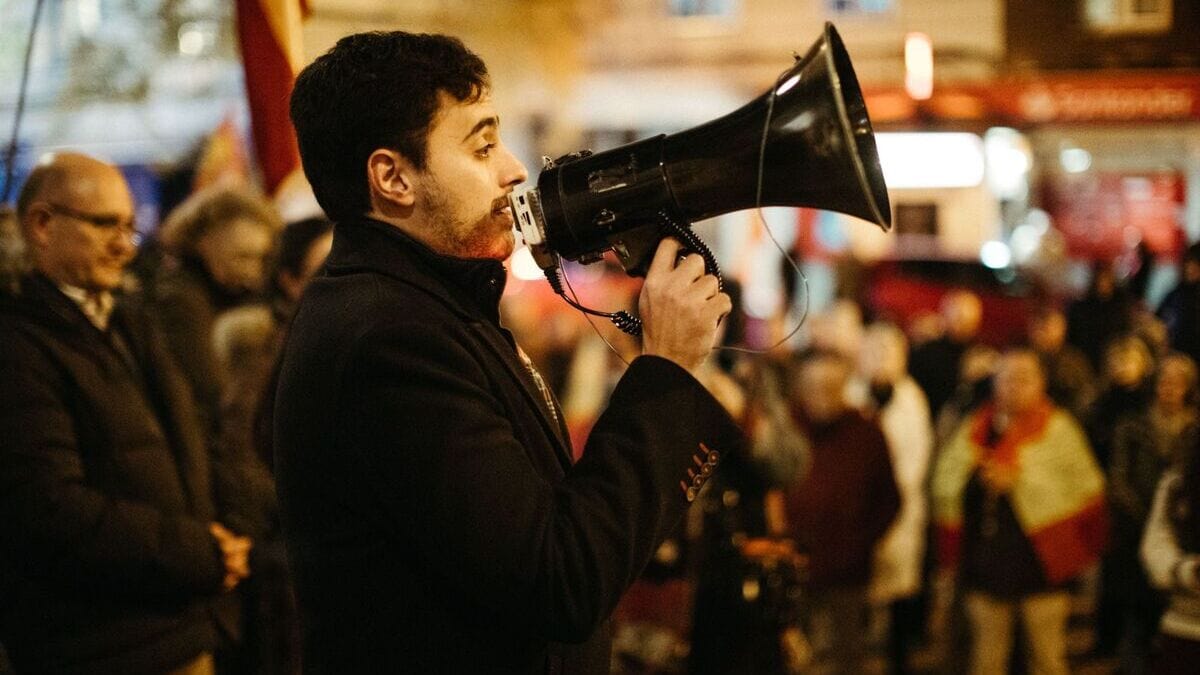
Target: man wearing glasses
[[115, 558]]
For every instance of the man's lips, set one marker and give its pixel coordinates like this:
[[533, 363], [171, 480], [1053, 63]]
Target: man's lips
[[502, 209], [505, 214]]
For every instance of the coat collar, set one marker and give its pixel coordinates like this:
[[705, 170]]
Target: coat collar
[[41, 299], [471, 287]]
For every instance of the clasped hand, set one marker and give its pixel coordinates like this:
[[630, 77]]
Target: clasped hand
[[235, 553]]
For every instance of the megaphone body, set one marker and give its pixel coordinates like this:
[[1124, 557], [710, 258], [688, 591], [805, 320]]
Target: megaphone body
[[805, 142]]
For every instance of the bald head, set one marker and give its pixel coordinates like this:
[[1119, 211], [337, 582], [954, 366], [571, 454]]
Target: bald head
[[69, 178], [76, 215]]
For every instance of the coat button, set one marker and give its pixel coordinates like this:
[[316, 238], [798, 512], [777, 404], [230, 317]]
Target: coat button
[[691, 494], [713, 457], [697, 481]]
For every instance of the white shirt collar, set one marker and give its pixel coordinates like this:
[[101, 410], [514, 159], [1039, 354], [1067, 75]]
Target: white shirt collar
[[97, 307]]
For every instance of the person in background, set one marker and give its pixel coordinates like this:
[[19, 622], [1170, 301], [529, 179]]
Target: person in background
[[747, 579], [838, 329], [1105, 312], [12, 265], [220, 240], [13, 262], [1019, 506], [1125, 392], [935, 364], [116, 557], [1144, 446], [1170, 551], [1180, 310], [948, 630], [974, 388], [885, 392], [300, 251], [839, 511], [246, 341], [1069, 375], [257, 332]]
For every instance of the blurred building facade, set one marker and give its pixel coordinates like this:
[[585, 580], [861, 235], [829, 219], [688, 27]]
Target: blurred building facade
[[1031, 134]]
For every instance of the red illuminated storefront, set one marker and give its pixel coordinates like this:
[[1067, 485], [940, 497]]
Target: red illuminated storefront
[[1138, 134]]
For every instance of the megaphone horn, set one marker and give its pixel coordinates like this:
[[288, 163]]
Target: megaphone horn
[[807, 141]]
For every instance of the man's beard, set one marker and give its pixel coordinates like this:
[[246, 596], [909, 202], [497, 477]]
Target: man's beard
[[462, 236]]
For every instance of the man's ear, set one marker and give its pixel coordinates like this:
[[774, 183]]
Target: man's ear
[[391, 179], [35, 227]]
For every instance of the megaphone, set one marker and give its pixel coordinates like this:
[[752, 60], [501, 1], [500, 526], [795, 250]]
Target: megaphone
[[807, 141]]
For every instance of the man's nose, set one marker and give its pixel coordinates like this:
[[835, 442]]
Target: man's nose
[[514, 171], [125, 241]]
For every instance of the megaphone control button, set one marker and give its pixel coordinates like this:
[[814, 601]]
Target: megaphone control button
[[688, 491]]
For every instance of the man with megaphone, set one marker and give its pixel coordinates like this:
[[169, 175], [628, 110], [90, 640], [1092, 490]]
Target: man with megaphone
[[435, 520]]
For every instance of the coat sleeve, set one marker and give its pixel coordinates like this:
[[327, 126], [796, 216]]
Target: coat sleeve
[[59, 529], [456, 482], [1167, 565]]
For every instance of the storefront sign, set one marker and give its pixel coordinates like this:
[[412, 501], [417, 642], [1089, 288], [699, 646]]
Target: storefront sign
[[1102, 215], [1048, 99], [1103, 101]]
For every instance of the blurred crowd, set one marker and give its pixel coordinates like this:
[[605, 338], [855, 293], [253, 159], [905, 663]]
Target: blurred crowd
[[921, 499], [916, 498]]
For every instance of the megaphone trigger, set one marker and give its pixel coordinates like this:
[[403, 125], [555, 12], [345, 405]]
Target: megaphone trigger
[[635, 247]]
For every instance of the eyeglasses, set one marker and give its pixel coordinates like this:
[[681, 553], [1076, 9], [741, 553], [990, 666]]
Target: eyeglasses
[[105, 222]]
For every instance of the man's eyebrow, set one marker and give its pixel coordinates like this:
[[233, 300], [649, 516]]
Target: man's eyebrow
[[493, 121]]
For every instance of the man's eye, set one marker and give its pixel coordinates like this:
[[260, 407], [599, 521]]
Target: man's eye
[[486, 150]]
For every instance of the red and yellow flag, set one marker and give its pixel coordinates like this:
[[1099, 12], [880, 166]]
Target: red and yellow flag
[[223, 158], [269, 32]]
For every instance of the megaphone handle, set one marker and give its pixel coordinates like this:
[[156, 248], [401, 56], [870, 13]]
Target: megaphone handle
[[693, 244], [669, 226]]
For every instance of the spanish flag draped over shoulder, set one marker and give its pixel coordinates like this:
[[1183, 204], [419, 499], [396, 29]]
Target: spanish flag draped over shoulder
[[269, 32], [1058, 497]]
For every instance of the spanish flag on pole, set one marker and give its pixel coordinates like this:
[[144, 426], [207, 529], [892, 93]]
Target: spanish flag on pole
[[272, 53]]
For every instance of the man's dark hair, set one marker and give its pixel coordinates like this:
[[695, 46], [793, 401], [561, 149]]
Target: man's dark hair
[[294, 242], [375, 90]]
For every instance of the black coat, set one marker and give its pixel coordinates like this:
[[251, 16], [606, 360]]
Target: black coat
[[106, 562], [187, 302], [434, 520]]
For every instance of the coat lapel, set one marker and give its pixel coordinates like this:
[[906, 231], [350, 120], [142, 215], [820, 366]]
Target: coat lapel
[[516, 370]]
